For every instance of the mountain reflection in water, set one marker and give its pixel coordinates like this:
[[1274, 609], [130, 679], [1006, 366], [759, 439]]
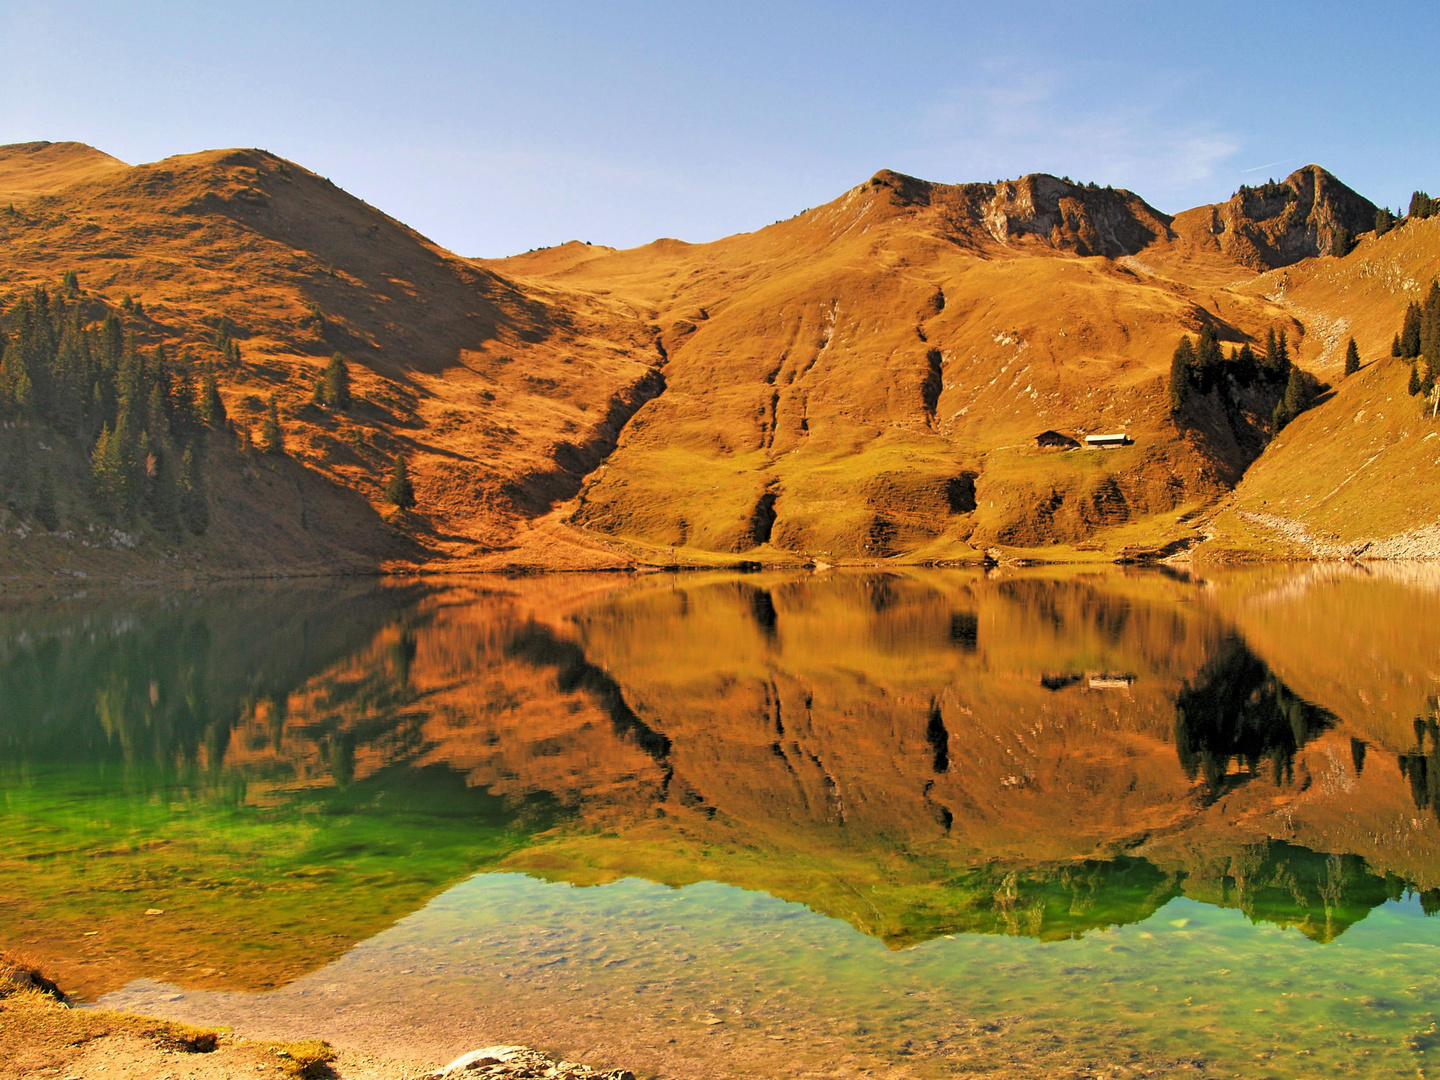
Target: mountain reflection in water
[[924, 753]]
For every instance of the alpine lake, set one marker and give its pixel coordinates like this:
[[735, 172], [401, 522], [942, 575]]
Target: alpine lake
[[910, 823]]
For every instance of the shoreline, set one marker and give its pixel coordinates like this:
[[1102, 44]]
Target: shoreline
[[43, 1032]]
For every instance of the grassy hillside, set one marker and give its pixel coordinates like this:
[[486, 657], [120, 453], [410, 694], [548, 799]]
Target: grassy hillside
[[866, 379], [501, 397], [1353, 476], [39, 168], [863, 381]]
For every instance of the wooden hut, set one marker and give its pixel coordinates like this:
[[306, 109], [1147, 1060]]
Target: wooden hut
[[1055, 440]]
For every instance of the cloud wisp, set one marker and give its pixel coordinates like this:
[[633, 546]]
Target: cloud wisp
[[1005, 121]]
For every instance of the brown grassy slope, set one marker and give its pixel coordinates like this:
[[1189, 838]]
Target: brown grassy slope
[[502, 396], [39, 168], [1357, 469], [872, 371]]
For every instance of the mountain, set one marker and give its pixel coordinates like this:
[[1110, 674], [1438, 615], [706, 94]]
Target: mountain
[[296, 270], [1350, 477], [867, 378], [1310, 213], [864, 380]]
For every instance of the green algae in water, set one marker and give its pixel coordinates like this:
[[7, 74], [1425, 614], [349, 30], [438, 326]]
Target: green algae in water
[[652, 974]]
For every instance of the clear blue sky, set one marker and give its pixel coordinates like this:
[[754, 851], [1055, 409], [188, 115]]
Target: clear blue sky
[[496, 128]]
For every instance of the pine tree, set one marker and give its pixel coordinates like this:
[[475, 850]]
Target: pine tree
[[212, 405], [1410, 332], [1395, 346], [400, 492], [184, 413], [272, 435], [1279, 417], [194, 509], [107, 474], [1208, 359], [1384, 221], [1430, 326], [1352, 358], [17, 393], [337, 384], [157, 419], [1282, 355], [1246, 365], [158, 486], [1269, 363], [1414, 386]]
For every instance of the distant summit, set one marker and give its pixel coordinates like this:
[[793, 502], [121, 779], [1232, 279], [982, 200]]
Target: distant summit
[[1082, 218], [28, 170], [1307, 214]]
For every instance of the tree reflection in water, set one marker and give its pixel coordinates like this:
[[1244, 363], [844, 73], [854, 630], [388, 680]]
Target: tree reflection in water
[[1237, 711]]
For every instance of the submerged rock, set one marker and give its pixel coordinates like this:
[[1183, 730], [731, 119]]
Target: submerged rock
[[522, 1063]]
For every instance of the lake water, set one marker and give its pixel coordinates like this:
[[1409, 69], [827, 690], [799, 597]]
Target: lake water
[[920, 823]]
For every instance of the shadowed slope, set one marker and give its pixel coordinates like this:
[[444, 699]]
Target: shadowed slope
[[502, 396]]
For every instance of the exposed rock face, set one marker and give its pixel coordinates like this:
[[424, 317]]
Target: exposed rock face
[[1086, 220], [1072, 217], [1310, 213]]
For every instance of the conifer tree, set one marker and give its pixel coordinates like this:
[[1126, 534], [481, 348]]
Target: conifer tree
[[272, 436], [157, 482], [1246, 365], [194, 509], [1410, 332], [212, 405], [1430, 326], [1414, 386], [1181, 364], [1208, 359], [1395, 346], [398, 489], [17, 393], [337, 384], [184, 413], [107, 474], [157, 420], [1352, 358], [1384, 221]]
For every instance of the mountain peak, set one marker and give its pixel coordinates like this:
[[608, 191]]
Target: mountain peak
[[1057, 212], [1271, 225]]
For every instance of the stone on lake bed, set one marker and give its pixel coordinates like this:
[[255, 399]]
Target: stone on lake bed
[[479, 1059], [521, 1063]]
